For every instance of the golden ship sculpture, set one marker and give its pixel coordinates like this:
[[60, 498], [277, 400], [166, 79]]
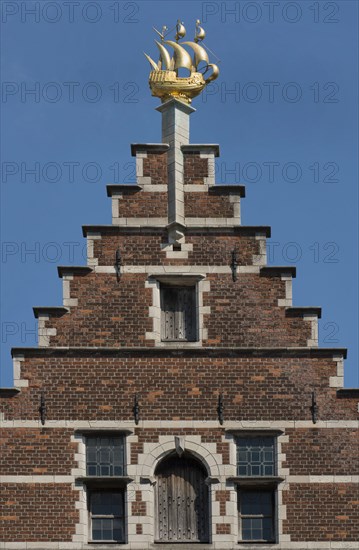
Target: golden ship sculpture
[[164, 79]]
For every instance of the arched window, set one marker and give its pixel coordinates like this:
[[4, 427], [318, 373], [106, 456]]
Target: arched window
[[182, 500]]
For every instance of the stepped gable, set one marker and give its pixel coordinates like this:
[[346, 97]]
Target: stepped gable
[[243, 305], [177, 396]]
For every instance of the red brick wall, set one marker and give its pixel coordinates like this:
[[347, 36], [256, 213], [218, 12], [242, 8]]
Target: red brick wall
[[103, 387], [202, 205], [322, 512], [222, 497], [143, 205], [37, 512], [246, 313], [28, 451], [195, 168], [243, 313], [155, 166], [144, 249], [322, 451], [138, 506], [109, 313]]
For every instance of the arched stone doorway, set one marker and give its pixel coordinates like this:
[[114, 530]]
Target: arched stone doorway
[[182, 500]]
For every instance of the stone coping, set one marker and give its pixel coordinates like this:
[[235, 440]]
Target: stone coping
[[278, 270], [9, 392], [228, 189], [181, 351], [201, 148], [150, 147], [251, 230], [122, 188], [348, 392], [49, 310], [73, 269], [305, 310]]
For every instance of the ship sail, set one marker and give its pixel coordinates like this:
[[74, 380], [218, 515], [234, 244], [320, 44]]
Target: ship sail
[[200, 32], [181, 31], [182, 58], [165, 58], [200, 53], [153, 64], [215, 72]]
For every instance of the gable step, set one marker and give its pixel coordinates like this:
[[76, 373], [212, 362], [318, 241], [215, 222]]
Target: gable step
[[50, 310], [305, 310], [73, 270]]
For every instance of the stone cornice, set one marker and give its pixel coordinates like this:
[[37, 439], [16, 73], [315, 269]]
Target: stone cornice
[[122, 188], [181, 351], [49, 310], [278, 270], [201, 148], [73, 269], [250, 230], [149, 147], [228, 189]]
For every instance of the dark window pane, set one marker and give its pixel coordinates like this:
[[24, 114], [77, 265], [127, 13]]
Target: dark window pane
[[257, 534], [118, 471], [256, 514], [267, 529], [118, 533], [108, 505], [242, 470]]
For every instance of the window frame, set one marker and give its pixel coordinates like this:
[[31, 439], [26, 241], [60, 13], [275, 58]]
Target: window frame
[[258, 483], [105, 483], [110, 436], [106, 516], [275, 454], [241, 490]]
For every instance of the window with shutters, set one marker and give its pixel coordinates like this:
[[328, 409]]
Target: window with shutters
[[178, 313]]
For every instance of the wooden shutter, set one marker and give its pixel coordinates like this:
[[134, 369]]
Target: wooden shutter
[[178, 306], [182, 502]]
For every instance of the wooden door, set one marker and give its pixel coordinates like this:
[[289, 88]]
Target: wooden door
[[182, 501]]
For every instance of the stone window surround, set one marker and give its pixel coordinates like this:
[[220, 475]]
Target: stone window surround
[[181, 279], [83, 528], [263, 482]]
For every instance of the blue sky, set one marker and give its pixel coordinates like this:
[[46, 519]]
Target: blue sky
[[284, 111]]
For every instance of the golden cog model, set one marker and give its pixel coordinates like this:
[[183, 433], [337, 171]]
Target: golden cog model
[[164, 79]]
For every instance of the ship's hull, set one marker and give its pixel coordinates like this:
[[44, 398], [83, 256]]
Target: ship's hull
[[166, 84]]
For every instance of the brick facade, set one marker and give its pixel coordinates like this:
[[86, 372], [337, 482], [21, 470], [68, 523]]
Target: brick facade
[[103, 370]]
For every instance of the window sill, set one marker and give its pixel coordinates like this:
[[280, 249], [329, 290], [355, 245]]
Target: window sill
[[259, 481], [255, 432], [257, 542], [106, 542]]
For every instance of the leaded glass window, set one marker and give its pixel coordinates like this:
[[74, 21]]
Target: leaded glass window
[[105, 456], [107, 516], [256, 515], [255, 456]]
